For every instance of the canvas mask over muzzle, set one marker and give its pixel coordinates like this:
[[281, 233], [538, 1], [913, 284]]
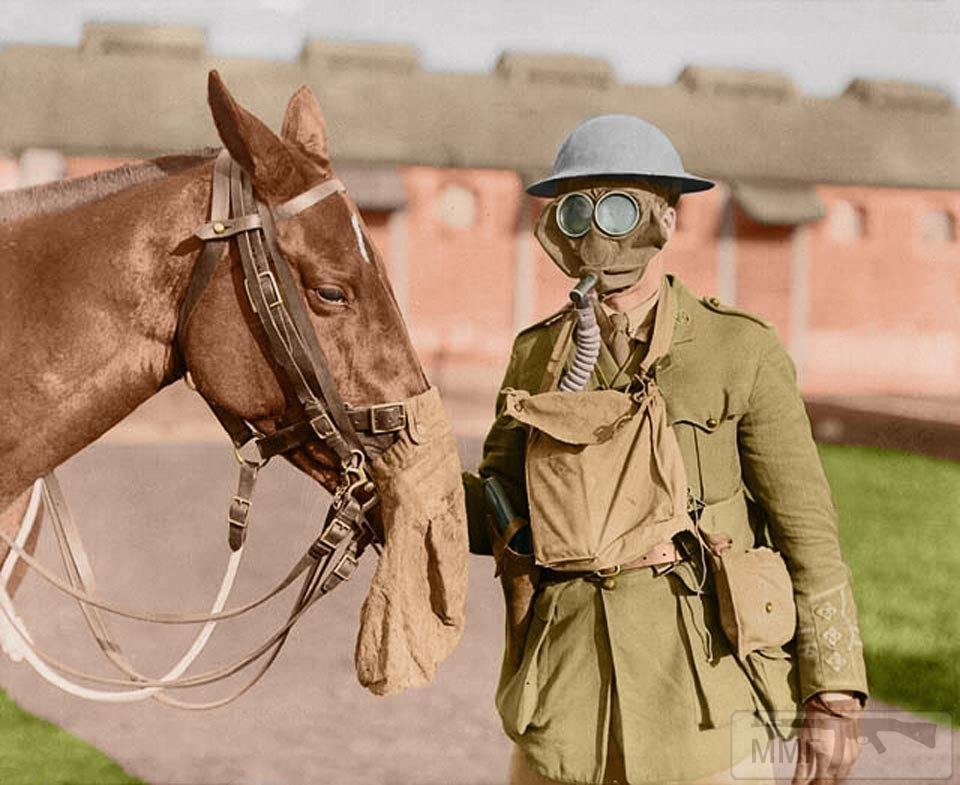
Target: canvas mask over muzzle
[[414, 611], [618, 260]]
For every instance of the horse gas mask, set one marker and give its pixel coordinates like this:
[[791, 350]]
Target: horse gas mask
[[611, 232]]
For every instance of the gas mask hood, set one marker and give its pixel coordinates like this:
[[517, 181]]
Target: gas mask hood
[[618, 262]]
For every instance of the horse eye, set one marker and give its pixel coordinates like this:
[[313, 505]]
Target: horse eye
[[332, 294]]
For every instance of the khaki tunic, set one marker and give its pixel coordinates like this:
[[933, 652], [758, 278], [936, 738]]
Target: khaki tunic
[[647, 660]]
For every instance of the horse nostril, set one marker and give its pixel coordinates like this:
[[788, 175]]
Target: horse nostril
[[332, 294]]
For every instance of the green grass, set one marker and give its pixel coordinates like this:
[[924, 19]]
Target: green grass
[[900, 532], [34, 751]]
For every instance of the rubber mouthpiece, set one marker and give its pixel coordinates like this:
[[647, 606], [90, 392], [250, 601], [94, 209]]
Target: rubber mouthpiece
[[580, 292]]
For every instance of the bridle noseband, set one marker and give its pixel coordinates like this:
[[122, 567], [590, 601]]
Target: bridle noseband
[[236, 214]]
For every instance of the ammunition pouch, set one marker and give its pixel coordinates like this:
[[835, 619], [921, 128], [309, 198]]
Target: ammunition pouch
[[754, 595], [753, 587]]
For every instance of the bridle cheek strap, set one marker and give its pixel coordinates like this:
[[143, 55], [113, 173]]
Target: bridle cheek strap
[[236, 215]]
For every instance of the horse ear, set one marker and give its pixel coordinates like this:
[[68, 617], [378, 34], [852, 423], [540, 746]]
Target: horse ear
[[269, 162], [304, 125]]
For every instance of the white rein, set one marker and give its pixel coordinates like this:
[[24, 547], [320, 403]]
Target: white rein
[[18, 644]]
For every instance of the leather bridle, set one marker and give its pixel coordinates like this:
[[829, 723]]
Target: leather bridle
[[291, 342]]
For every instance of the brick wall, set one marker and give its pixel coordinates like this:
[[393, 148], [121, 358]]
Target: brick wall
[[883, 313], [865, 298]]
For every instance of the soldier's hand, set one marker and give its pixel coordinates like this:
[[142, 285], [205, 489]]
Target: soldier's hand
[[829, 742]]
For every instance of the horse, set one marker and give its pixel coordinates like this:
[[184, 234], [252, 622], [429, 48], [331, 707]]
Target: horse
[[100, 310]]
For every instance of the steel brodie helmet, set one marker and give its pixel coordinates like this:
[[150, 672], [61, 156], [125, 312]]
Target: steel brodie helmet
[[618, 147]]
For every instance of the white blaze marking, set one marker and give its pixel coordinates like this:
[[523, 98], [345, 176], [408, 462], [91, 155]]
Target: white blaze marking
[[355, 223]]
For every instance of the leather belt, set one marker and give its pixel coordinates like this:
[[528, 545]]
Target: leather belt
[[666, 553]]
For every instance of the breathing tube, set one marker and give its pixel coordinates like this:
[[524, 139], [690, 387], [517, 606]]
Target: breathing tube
[[586, 337]]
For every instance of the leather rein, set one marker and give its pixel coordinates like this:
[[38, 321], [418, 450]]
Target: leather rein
[[235, 214]]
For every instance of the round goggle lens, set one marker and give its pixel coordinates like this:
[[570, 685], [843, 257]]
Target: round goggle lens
[[617, 214], [574, 215]]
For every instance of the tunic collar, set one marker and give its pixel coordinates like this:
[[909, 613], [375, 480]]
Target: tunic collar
[[639, 318]]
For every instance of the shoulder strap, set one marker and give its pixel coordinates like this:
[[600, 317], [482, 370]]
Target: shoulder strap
[[714, 304]]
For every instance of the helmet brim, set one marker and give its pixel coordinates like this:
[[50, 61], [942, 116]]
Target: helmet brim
[[682, 184]]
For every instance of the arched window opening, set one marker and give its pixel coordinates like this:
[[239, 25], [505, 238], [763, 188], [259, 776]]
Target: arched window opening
[[939, 227], [847, 222], [457, 207]]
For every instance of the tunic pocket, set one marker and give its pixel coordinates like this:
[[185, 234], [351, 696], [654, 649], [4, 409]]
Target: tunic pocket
[[709, 428], [722, 688], [516, 698], [773, 673], [729, 517]]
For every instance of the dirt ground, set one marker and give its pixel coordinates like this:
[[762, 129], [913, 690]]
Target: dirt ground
[[153, 517], [153, 520]]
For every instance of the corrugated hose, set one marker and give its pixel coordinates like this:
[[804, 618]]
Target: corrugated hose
[[586, 337]]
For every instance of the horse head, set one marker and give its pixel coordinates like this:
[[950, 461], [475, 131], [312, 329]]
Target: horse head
[[340, 276], [279, 309], [413, 614]]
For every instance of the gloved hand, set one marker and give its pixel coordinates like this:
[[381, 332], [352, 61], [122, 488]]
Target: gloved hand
[[414, 611], [829, 742]]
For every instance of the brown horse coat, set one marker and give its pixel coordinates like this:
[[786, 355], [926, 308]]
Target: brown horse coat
[[94, 273]]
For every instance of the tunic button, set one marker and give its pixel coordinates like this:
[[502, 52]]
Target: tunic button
[[712, 422], [609, 583], [768, 607], [714, 301]]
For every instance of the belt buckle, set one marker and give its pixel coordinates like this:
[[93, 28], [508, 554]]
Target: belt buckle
[[606, 572], [639, 389], [383, 407], [606, 577]]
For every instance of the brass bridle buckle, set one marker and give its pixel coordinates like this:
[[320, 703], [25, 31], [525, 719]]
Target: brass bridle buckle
[[387, 408], [269, 289], [322, 426]]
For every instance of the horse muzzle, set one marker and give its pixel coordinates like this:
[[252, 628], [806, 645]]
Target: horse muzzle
[[413, 614]]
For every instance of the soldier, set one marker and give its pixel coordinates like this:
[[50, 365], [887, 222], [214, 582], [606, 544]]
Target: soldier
[[680, 583]]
